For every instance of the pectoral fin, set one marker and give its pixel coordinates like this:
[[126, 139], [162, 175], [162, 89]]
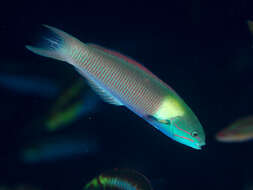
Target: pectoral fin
[[162, 121]]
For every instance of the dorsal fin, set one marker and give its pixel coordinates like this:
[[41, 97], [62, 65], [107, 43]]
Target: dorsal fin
[[127, 59], [107, 97]]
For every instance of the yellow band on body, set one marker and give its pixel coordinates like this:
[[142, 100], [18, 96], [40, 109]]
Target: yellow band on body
[[170, 108]]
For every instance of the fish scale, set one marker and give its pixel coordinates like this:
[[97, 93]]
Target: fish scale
[[127, 82]]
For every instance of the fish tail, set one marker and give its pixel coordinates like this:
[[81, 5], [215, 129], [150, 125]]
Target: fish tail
[[56, 44]]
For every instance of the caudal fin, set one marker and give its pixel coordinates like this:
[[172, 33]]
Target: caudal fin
[[55, 45]]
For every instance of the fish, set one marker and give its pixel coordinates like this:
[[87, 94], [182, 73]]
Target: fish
[[73, 103], [18, 187], [250, 27], [121, 81], [239, 131], [121, 179], [56, 147], [29, 85]]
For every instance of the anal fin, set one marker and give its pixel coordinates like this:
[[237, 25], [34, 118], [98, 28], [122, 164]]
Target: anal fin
[[106, 96]]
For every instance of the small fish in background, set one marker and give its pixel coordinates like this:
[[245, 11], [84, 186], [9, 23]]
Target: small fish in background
[[239, 131], [58, 147], [73, 103], [121, 179], [121, 81], [18, 187], [29, 85], [250, 27]]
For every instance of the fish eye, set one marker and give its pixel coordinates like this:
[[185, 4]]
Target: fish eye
[[194, 134]]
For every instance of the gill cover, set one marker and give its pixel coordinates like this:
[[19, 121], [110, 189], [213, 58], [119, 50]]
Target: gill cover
[[181, 129]]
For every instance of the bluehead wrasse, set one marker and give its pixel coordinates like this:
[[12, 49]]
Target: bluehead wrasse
[[122, 179], [57, 147], [121, 81], [73, 103], [239, 131], [29, 85]]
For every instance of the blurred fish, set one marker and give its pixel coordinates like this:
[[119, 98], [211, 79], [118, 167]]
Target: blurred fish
[[250, 27], [18, 187], [57, 147], [239, 131], [121, 81], [32, 85], [121, 179], [71, 104]]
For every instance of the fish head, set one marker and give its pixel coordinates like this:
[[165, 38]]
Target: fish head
[[182, 130], [176, 120], [224, 136], [239, 131], [188, 131], [229, 136]]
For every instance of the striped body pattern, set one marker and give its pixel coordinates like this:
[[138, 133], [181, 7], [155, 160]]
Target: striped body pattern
[[119, 179], [121, 81], [125, 81]]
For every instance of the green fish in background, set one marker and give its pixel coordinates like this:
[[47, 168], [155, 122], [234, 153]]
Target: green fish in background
[[239, 131], [121, 179], [121, 81], [72, 103]]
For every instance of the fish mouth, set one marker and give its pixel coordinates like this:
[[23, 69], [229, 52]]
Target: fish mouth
[[199, 145], [194, 144], [198, 148]]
